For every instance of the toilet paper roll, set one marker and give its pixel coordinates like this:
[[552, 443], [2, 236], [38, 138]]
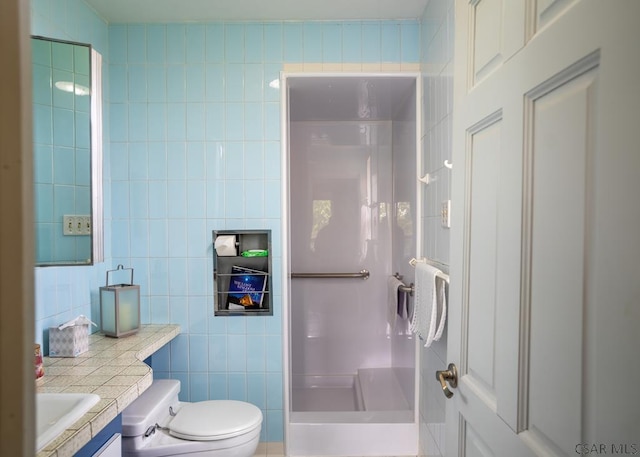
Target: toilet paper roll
[[226, 245]]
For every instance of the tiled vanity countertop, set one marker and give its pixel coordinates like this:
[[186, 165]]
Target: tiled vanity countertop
[[112, 369]]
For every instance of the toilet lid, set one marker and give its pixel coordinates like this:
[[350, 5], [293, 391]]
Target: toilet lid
[[214, 420]]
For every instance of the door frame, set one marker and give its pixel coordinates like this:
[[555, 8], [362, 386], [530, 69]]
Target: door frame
[[17, 388]]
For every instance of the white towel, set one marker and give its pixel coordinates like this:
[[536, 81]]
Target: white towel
[[425, 313], [393, 299], [443, 308]]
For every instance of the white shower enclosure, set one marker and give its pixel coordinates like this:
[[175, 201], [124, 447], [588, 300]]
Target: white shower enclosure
[[350, 223]]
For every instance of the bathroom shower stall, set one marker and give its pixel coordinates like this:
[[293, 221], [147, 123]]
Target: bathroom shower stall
[[350, 223]]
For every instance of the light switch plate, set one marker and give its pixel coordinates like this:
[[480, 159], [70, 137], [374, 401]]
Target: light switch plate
[[76, 225], [445, 212]]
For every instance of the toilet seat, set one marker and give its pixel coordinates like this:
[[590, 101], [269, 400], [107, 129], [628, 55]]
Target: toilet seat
[[214, 420]]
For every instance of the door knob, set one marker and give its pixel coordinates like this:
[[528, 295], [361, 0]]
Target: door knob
[[450, 375]]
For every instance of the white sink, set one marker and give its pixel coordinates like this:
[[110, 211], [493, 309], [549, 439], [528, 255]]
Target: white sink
[[55, 412]]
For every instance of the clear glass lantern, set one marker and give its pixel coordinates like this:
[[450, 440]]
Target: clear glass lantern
[[120, 307]]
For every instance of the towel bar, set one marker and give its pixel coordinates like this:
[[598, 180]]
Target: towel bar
[[404, 288], [433, 263], [407, 289]]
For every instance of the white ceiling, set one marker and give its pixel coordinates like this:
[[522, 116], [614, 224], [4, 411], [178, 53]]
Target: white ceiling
[[117, 11]]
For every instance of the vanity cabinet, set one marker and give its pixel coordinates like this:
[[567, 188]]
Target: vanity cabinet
[[242, 272]]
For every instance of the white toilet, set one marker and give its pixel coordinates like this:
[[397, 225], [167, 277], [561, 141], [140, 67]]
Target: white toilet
[[157, 424]]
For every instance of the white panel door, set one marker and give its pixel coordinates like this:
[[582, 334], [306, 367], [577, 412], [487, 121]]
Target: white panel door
[[545, 238]]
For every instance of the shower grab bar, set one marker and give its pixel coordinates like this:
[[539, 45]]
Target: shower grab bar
[[363, 274]]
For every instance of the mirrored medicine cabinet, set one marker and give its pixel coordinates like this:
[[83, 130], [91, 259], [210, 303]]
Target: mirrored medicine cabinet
[[67, 148]]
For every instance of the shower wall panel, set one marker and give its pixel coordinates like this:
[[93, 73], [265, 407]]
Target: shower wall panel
[[341, 208]]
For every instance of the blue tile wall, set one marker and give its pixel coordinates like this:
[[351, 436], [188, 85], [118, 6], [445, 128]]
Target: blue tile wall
[[192, 144], [195, 132], [62, 293], [437, 52]]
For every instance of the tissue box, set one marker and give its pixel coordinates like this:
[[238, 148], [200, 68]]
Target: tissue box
[[68, 342]]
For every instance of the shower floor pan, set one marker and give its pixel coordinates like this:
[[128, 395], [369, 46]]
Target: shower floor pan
[[377, 422], [370, 390]]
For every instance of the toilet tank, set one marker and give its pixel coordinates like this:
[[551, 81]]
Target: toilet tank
[[151, 407]]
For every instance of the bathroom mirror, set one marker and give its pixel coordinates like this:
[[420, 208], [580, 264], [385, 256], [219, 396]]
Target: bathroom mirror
[[67, 137]]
